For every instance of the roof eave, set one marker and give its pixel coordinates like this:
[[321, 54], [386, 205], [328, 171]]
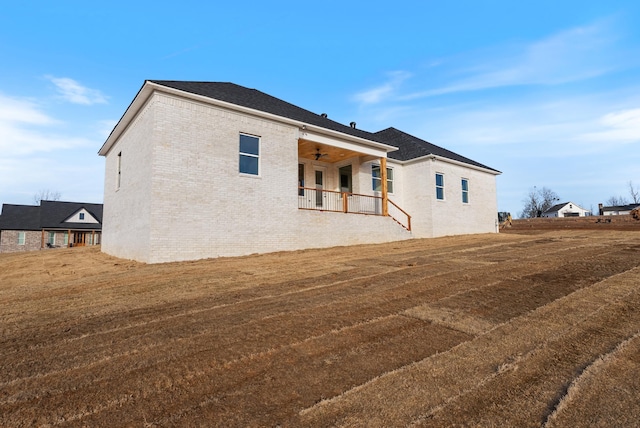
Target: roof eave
[[138, 101], [148, 88], [434, 158]]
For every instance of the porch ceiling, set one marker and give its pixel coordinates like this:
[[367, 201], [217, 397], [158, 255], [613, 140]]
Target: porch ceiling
[[330, 154]]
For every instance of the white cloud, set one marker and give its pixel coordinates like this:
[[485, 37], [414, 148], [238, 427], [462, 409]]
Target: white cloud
[[616, 127], [379, 93], [74, 92], [573, 55], [25, 129], [22, 111]]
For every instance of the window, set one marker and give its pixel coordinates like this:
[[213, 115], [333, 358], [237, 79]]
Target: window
[[66, 238], [249, 154], [52, 238], [119, 170], [300, 179], [81, 216], [346, 180], [440, 186], [377, 179], [21, 238], [465, 191]]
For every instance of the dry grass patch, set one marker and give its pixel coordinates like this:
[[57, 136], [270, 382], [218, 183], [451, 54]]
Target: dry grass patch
[[474, 330]]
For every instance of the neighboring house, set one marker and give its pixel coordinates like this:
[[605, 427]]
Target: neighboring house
[[617, 209], [204, 169], [51, 224], [566, 209]]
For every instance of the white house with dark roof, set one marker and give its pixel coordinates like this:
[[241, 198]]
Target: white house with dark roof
[[51, 224], [206, 169], [566, 209]]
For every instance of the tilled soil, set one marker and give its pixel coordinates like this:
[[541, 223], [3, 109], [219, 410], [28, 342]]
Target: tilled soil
[[486, 330]]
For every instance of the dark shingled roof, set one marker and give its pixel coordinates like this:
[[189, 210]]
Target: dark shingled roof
[[410, 147], [254, 99], [629, 207], [556, 207], [20, 217], [48, 215]]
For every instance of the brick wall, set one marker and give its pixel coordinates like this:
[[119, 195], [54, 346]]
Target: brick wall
[[9, 241], [127, 208]]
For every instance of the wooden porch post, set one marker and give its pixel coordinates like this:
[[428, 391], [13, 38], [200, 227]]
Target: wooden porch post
[[383, 178], [42, 241]]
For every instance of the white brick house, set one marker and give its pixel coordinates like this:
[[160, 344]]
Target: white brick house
[[204, 169]]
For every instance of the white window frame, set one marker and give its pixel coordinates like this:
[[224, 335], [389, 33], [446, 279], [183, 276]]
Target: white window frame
[[51, 239], [440, 187], [22, 238], [465, 192], [251, 155], [374, 179]]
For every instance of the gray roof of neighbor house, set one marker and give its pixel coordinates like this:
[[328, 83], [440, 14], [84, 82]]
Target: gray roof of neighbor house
[[48, 215], [628, 207], [409, 147]]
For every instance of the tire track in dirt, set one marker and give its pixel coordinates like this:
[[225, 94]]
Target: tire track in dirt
[[588, 378], [432, 387], [561, 358]]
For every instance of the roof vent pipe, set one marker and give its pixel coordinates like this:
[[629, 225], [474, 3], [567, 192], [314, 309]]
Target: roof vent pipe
[[324, 115], [353, 125]]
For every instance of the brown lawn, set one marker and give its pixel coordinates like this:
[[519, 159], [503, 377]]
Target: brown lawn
[[540, 328]]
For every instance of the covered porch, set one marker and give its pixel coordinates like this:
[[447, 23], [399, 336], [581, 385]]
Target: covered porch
[[57, 238], [336, 176]]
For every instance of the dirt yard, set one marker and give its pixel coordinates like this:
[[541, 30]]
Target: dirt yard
[[539, 328]]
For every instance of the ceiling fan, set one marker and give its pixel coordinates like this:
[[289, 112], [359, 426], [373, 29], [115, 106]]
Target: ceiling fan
[[320, 155]]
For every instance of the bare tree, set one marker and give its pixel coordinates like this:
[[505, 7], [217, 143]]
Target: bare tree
[[616, 201], [46, 195], [634, 192], [538, 201]]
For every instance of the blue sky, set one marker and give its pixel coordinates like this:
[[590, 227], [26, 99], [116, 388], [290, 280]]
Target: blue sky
[[548, 92]]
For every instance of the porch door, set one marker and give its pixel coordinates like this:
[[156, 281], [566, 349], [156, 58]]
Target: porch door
[[80, 239], [319, 186]]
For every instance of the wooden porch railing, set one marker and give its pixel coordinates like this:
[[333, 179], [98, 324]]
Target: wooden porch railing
[[398, 214], [352, 203]]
